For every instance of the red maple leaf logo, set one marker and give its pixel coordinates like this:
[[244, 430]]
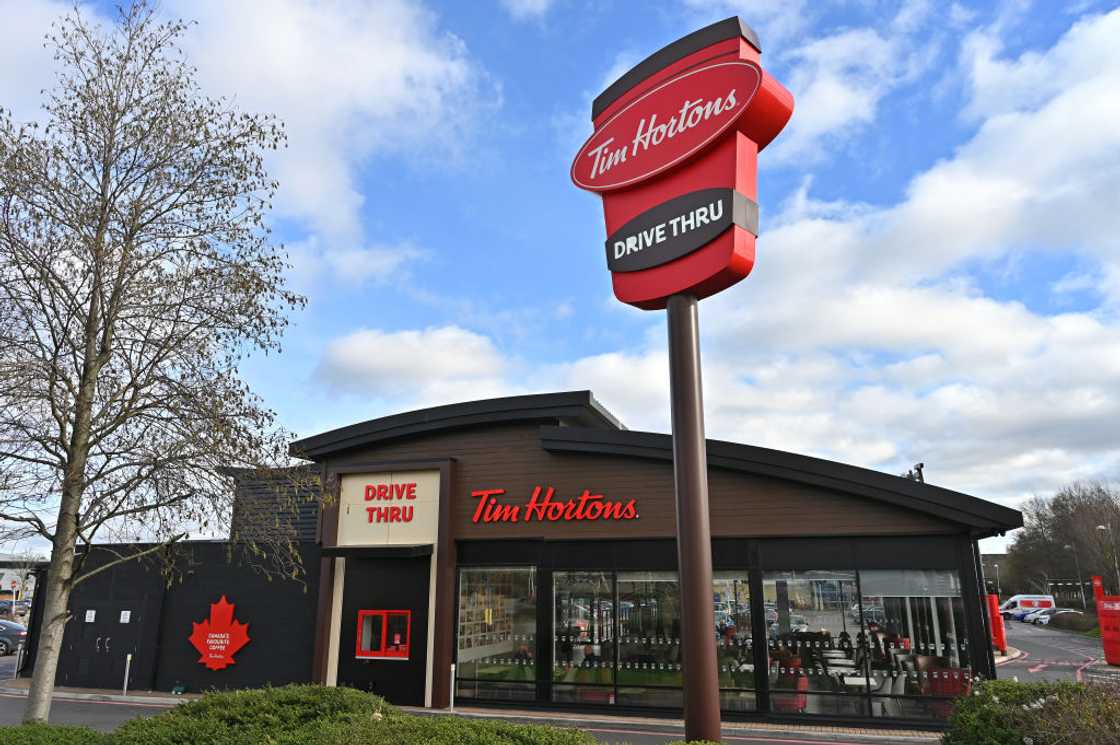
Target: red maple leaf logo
[[220, 637]]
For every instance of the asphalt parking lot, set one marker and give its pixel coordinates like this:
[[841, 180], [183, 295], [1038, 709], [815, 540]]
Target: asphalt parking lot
[[1049, 653]]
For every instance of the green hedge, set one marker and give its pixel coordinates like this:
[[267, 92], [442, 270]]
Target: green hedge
[[297, 715], [1074, 621], [50, 734], [433, 730], [1003, 712], [251, 717]]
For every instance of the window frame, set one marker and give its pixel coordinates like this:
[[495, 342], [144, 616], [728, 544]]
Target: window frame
[[382, 652]]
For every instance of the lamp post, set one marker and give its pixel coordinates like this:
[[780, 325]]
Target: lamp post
[[1115, 562], [998, 592], [1077, 565]]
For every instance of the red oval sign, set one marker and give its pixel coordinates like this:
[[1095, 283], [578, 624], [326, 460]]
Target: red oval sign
[[665, 126]]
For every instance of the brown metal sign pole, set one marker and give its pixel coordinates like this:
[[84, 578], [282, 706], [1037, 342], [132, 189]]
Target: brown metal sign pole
[[694, 534]]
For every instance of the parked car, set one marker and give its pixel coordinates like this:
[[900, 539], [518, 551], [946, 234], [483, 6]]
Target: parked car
[[12, 634], [1042, 617], [797, 624]]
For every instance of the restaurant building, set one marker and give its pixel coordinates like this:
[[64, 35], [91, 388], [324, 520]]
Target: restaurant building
[[520, 551]]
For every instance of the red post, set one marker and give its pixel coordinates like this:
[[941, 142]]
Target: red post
[[1108, 616], [999, 634]]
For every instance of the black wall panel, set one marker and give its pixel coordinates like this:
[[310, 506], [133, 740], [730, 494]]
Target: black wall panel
[[386, 584], [280, 615], [97, 639]]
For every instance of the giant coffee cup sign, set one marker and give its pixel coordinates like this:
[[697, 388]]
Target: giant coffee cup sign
[[674, 157]]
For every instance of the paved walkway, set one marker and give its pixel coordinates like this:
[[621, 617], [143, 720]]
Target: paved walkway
[[621, 726], [606, 727], [19, 686]]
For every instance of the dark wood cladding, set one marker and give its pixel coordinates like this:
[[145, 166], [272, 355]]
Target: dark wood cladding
[[266, 504], [742, 505]]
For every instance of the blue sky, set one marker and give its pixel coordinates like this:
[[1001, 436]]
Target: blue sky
[[938, 273]]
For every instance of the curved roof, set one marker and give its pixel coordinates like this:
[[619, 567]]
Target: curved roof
[[571, 407], [981, 516], [574, 422]]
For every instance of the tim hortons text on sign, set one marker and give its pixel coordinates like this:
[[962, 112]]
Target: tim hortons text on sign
[[665, 126], [542, 507]]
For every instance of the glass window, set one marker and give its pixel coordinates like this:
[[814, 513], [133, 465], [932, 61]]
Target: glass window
[[649, 631], [917, 641], [583, 649], [383, 634], [732, 603], [497, 633], [816, 660]]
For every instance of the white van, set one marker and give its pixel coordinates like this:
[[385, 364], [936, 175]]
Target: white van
[[1018, 606]]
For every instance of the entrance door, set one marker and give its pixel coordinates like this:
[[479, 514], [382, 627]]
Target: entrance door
[[97, 643], [383, 641]]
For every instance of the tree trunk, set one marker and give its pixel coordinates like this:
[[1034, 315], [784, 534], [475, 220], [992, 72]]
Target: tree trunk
[[61, 572], [56, 599]]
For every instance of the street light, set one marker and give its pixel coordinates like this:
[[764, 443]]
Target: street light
[[1115, 563], [1077, 564], [998, 592]]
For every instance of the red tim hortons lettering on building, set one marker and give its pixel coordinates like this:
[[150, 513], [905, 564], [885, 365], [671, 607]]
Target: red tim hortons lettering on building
[[544, 506], [390, 513], [219, 637]]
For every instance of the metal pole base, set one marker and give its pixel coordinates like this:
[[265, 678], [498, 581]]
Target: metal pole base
[[694, 535]]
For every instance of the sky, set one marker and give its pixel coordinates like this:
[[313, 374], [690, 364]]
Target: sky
[[938, 271]]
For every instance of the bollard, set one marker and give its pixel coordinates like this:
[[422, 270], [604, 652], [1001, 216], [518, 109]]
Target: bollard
[[127, 668], [451, 705]]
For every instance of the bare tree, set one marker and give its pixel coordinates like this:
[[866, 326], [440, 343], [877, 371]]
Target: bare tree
[[1069, 518], [136, 271]]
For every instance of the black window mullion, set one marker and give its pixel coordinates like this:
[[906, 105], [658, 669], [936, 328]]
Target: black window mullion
[[617, 638], [758, 630], [546, 633], [867, 652]]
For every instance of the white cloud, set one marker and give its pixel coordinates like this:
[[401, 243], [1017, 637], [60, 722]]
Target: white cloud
[[26, 66], [837, 78], [432, 365], [837, 82], [523, 10], [352, 80], [999, 85], [313, 262], [912, 15]]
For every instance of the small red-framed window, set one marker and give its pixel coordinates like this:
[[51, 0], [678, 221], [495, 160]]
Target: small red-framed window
[[384, 634]]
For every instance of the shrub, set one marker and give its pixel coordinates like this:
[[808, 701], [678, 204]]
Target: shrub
[[1003, 712], [51, 734], [403, 729], [1074, 621], [250, 717]]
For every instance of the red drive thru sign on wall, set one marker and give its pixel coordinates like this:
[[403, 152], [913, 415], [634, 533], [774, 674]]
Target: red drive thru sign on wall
[[675, 157]]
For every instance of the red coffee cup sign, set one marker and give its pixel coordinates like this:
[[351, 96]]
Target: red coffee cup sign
[[674, 156]]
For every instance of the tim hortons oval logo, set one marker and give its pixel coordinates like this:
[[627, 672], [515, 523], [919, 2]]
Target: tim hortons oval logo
[[665, 126]]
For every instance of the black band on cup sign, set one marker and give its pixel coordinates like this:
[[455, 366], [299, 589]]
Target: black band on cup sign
[[678, 227]]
